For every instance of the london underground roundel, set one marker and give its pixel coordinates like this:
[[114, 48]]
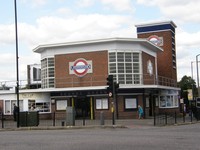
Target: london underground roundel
[[80, 67], [156, 40]]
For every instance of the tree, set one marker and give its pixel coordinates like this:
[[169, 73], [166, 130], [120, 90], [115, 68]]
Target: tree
[[187, 83]]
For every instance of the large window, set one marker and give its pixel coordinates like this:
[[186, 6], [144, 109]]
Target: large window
[[168, 99], [9, 106], [125, 67], [39, 106], [47, 71]]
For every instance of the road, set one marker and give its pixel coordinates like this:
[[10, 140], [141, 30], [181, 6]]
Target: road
[[133, 138]]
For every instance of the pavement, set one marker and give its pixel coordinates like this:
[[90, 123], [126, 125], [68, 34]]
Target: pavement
[[86, 124]]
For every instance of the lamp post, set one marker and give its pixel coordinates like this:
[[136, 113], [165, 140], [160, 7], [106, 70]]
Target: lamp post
[[197, 75], [17, 64], [192, 68]]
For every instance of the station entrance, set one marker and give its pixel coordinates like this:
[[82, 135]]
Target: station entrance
[[82, 107]]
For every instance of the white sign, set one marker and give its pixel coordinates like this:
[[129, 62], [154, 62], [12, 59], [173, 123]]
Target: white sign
[[150, 67], [61, 104], [130, 103]]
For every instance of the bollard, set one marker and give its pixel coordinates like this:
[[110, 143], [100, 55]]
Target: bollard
[[102, 118], [175, 118], [54, 119], [154, 118], [2, 120], [183, 116]]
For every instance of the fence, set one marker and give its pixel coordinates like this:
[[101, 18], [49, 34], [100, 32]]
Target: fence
[[176, 118], [56, 119]]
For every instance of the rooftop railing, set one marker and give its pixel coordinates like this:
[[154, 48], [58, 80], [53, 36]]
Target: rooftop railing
[[88, 81]]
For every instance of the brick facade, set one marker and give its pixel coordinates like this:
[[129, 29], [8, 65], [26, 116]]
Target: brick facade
[[98, 76], [165, 60]]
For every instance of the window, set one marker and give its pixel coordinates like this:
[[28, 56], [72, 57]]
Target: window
[[102, 103], [9, 106], [31, 105], [125, 65], [42, 106], [47, 72], [38, 106], [168, 100], [130, 103]]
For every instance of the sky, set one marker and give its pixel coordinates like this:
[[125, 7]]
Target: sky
[[57, 21]]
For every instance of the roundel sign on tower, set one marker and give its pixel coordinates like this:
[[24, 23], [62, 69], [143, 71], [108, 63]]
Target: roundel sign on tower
[[80, 67], [156, 40]]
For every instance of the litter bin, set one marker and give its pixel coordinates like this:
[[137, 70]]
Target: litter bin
[[28, 118]]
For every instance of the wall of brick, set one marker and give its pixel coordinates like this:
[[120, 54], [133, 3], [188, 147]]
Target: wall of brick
[[165, 60], [148, 79], [98, 77]]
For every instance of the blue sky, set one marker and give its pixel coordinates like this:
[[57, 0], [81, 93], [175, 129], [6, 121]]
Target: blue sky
[[55, 21]]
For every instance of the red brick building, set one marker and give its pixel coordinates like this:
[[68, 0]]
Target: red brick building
[[146, 73], [75, 74]]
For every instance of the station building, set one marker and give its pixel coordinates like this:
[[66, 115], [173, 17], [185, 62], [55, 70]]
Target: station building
[[75, 74]]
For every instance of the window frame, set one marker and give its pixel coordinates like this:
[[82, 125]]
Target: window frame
[[130, 67], [100, 105], [134, 105]]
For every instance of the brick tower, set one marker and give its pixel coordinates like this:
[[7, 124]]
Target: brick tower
[[162, 34]]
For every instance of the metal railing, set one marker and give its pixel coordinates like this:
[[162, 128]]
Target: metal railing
[[163, 119], [142, 79]]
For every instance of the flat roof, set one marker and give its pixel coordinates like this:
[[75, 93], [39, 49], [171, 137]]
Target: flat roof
[[41, 48], [156, 23]]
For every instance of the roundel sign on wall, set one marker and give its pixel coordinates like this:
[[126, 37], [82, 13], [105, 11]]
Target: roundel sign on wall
[[80, 67]]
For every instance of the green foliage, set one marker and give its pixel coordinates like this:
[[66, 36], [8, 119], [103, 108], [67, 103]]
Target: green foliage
[[187, 83]]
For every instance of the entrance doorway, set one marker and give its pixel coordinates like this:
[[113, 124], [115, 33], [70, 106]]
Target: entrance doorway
[[82, 107]]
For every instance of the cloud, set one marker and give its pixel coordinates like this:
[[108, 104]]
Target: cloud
[[7, 35], [51, 29], [35, 3], [84, 3], [186, 50], [182, 10], [123, 5]]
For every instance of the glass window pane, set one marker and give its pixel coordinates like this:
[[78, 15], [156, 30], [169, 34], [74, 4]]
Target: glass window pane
[[112, 57], [129, 79], [128, 67], [120, 67], [7, 107], [120, 57], [128, 57], [136, 79], [135, 57], [112, 67], [136, 68], [121, 78]]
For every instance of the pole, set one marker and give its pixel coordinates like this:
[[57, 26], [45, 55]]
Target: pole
[[192, 69], [17, 69], [197, 74]]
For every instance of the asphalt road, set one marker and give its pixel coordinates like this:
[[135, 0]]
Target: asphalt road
[[134, 138]]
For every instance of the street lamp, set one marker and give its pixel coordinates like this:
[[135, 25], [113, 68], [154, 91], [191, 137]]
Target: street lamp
[[17, 64], [197, 75]]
